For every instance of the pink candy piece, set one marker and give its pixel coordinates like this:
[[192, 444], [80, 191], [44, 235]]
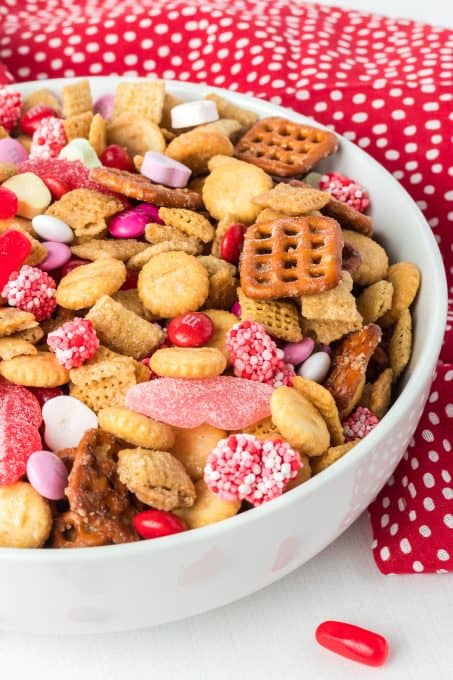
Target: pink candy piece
[[47, 474], [57, 255], [224, 402], [246, 468], [359, 424], [131, 223], [74, 342], [296, 352], [104, 105], [31, 290], [236, 309], [12, 151], [164, 170], [19, 403]]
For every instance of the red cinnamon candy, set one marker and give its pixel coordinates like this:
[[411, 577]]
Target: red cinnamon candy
[[353, 642]]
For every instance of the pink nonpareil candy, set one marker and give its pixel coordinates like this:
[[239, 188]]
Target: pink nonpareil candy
[[104, 105], [164, 170], [57, 255], [131, 223], [224, 402], [12, 151]]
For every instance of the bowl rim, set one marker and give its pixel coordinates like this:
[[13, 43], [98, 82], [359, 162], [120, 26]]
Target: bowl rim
[[421, 373]]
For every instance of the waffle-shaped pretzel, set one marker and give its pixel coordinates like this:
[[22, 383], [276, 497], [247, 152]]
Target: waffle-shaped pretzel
[[291, 256], [139, 187], [284, 148]]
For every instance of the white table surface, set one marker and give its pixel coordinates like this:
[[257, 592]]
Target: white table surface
[[269, 636]]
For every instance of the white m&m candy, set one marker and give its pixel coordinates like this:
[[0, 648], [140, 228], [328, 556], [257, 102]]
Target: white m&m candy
[[66, 420], [316, 367], [52, 229], [194, 113]]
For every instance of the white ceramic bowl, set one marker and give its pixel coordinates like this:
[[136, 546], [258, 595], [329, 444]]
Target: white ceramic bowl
[[142, 584]]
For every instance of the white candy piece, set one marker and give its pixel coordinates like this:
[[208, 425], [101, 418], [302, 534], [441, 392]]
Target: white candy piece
[[315, 367], [66, 420], [194, 113], [52, 229], [80, 149], [33, 195]]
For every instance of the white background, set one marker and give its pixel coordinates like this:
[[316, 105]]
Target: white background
[[269, 636]]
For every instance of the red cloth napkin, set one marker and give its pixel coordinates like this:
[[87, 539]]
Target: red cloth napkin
[[385, 84]]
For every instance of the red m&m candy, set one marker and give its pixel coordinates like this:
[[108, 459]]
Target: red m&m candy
[[353, 642], [232, 242], [31, 118], [157, 523], [116, 156], [190, 330]]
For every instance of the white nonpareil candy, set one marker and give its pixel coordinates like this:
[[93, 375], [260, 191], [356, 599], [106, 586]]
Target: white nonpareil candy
[[194, 113], [66, 420]]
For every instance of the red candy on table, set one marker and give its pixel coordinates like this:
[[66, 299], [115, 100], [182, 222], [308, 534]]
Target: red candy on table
[[31, 118], [157, 523], [116, 156], [190, 330], [353, 642], [56, 187], [8, 203], [14, 250], [232, 242]]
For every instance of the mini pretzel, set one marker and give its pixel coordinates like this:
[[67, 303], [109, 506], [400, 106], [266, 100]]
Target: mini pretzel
[[284, 148], [349, 363], [95, 492], [291, 256], [139, 187]]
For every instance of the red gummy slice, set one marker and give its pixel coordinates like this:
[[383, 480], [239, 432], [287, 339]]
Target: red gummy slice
[[18, 403], [225, 402], [14, 250], [18, 440], [20, 417]]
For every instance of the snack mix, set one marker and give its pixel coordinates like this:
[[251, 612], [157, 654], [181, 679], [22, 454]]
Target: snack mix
[[192, 320]]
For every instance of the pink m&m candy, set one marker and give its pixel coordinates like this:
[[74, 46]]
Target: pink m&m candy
[[164, 170], [12, 151], [104, 105], [47, 474], [131, 223], [57, 255], [297, 352]]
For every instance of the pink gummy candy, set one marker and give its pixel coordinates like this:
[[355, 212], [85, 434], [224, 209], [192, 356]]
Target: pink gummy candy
[[20, 417], [225, 402], [19, 403]]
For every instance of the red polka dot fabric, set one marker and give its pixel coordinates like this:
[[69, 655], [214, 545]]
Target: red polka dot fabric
[[385, 84]]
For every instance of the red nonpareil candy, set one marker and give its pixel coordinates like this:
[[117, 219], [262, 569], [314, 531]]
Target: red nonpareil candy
[[31, 290], [14, 250], [116, 156], [190, 330], [157, 523], [8, 203], [232, 242], [31, 118], [74, 342], [48, 139], [10, 103], [56, 187], [353, 642]]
